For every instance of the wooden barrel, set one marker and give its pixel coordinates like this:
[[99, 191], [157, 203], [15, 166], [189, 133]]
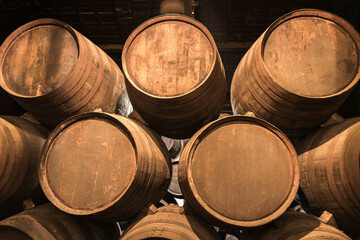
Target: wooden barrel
[[299, 72], [172, 69], [102, 165], [174, 187], [48, 222], [295, 225], [170, 222], [21, 144], [351, 107], [330, 171], [239, 171], [54, 72]]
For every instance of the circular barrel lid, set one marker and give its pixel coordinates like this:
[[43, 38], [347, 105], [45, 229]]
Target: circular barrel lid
[[241, 170], [312, 53], [169, 55], [38, 57], [88, 163]]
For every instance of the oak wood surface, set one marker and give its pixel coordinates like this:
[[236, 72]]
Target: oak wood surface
[[295, 225], [54, 72], [330, 171], [296, 77], [170, 222], [174, 74], [311, 56], [48, 222], [21, 145], [118, 165], [239, 171]]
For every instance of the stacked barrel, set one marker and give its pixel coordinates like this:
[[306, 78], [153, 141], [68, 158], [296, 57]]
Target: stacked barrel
[[104, 173]]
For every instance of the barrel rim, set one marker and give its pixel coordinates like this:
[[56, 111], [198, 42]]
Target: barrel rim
[[42, 170], [164, 18], [196, 139], [30, 25], [355, 36]]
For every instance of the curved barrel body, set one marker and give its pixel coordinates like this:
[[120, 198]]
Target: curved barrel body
[[21, 145], [299, 72], [170, 222], [330, 171], [48, 222], [54, 72], [174, 74]]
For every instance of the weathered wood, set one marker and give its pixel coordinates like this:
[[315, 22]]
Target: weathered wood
[[297, 74], [170, 222], [21, 145], [239, 171], [330, 171], [328, 218], [105, 166], [295, 225], [54, 72], [173, 69], [48, 222]]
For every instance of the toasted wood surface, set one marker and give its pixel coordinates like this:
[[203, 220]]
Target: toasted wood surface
[[239, 171], [296, 75], [170, 222], [172, 69], [40, 60], [21, 145], [54, 72], [48, 222], [330, 171], [311, 56], [295, 225], [118, 166], [175, 57]]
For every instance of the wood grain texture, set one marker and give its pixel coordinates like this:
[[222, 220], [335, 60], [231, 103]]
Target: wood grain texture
[[174, 74], [118, 166], [54, 72], [48, 222], [330, 171], [295, 225], [21, 145], [238, 172], [296, 75], [170, 222], [311, 56]]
